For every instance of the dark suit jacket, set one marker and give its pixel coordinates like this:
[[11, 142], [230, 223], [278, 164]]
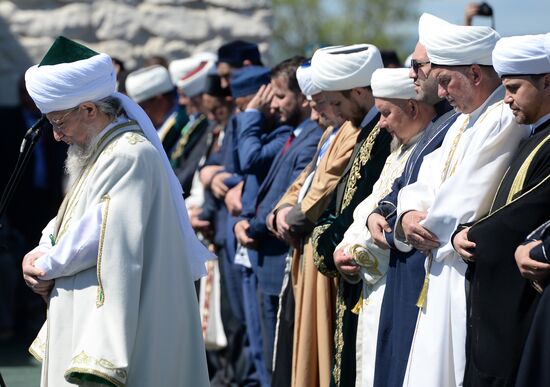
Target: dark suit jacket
[[213, 209], [269, 260], [196, 146], [256, 150]]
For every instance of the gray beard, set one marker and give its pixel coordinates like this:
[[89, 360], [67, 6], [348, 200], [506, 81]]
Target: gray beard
[[78, 157], [395, 143]]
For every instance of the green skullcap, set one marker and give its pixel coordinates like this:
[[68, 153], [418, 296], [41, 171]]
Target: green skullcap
[[64, 50]]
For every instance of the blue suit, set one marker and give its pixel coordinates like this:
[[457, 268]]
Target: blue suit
[[406, 271], [254, 150], [286, 167]]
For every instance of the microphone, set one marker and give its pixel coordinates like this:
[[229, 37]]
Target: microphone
[[33, 133]]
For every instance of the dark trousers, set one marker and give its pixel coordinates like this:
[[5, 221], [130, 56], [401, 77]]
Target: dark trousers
[[238, 365], [254, 325]]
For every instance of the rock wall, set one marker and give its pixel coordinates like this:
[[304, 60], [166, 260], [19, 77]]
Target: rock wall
[[131, 30]]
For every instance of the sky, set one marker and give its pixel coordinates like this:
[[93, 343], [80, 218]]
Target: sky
[[512, 17]]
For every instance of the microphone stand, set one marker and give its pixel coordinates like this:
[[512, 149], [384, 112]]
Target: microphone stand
[[25, 151]]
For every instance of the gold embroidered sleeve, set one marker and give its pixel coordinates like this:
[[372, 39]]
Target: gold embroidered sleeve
[[318, 259]]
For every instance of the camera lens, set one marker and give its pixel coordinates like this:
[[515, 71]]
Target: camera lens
[[485, 10]]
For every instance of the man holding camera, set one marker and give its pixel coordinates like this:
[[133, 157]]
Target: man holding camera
[[502, 303]]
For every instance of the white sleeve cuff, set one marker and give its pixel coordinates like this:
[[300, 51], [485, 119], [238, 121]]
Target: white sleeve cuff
[[77, 250]]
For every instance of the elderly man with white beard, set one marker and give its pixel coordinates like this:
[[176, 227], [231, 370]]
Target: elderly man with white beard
[[117, 263]]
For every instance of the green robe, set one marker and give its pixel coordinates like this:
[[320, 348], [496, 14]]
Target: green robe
[[363, 170]]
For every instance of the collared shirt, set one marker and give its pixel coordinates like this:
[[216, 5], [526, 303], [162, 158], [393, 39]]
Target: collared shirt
[[541, 121], [496, 95]]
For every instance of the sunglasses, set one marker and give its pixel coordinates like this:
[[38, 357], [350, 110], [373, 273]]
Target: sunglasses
[[415, 64]]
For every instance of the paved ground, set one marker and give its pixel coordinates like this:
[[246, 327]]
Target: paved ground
[[17, 367]]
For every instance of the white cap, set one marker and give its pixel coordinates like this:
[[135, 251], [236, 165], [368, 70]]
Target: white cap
[[345, 67], [205, 56], [303, 75], [179, 67], [522, 55], [194, 82], [454, 45], [148, 82], [392, 83]]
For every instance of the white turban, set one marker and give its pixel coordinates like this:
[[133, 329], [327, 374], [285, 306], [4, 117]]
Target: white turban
[[303, 75], [522, 55], [66, 85], [148, 82], [345, 67], [194, 81], [453, 45], [392, 83]]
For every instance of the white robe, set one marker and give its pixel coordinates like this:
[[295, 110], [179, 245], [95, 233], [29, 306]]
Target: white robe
[[132, 317], [373, 275], [464, 194]]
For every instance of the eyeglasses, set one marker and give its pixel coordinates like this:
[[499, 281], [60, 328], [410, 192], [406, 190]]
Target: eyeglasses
[[58, 123], [415, 64]]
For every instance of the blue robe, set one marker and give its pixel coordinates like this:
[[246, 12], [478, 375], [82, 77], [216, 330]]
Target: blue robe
[[406, 272]]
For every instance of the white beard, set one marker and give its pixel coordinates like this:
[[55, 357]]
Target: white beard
[[78, 157]]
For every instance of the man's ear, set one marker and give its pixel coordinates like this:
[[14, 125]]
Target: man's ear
[[90, 109], [358, 91], [305, 103], [476, 74], [413, 107]]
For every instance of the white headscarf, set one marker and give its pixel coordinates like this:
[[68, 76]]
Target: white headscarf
[[345, 67], [453, 45], [522, 55], [303, 75], [66, 85], [392, 83]]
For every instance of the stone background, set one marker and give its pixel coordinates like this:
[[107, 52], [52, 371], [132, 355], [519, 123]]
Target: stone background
[[128, 29]]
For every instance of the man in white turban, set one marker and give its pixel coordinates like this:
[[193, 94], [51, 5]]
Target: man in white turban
[[502, 302], [117, 263], [185, 135], [295, 216], [405, 119], [344, 73], [152, 88], [456, 184], [405, 274]]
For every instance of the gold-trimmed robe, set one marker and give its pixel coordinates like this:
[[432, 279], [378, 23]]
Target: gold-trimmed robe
[[131, 320], [314, 293]]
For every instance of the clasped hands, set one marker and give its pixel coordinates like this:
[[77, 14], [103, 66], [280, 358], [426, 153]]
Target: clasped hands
[[31, 275], [415, 234], [278, 226]]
